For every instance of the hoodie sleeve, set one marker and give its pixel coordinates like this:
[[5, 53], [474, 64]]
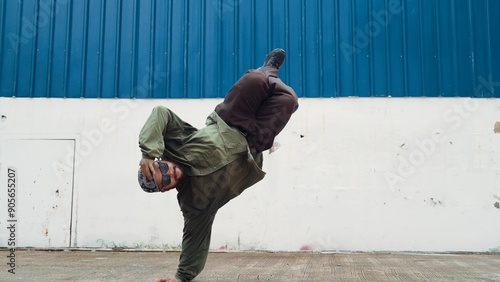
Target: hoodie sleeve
[[151, 135]]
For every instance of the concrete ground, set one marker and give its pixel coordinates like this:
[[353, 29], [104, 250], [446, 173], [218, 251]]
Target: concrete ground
[[87, 265]]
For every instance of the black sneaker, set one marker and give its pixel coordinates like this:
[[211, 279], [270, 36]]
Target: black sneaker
[[275, 58]]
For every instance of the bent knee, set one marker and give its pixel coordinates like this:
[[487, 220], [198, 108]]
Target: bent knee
[[287, 101]]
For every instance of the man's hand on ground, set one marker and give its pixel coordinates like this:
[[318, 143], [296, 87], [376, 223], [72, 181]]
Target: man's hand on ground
[[171, 279], [147, 168]]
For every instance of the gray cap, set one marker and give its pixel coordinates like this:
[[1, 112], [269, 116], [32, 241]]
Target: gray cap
[[148, 186]]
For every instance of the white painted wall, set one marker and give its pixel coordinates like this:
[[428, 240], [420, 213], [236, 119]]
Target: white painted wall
[[357, 174]]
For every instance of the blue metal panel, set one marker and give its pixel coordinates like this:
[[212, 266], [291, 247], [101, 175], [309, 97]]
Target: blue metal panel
[[396, 49], [481, 43], [198, 49], [494, 39], [294, 69]]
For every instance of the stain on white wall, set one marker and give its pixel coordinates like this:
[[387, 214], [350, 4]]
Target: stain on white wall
[[354, 174]]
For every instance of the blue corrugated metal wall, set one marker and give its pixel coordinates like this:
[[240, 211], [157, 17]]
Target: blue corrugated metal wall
[[197, 49]]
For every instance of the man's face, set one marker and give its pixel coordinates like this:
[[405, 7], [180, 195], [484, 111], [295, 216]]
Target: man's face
[[167, 175]]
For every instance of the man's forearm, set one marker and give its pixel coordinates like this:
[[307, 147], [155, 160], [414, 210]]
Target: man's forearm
[[195, 246], [151, 135]]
